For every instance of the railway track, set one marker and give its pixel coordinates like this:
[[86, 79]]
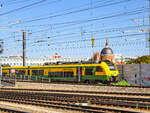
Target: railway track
[[71, 100], [75, 91], [89, 109], [6, 110]]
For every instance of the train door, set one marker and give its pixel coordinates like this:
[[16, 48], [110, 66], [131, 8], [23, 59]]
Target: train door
[[79, 74], [28, 73]]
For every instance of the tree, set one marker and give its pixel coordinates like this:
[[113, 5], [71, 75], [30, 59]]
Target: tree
[[6, 65], [141, 60], [46, 63], [130, 61]]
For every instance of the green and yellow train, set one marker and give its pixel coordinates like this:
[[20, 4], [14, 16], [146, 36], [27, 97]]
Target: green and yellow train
[[103, 71]]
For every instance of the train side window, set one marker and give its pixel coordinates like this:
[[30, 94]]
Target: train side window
[[51, 74], [55, 74], [4, 74], [41, 72], [68, 74], [20, 72], [34, 72], [99, 69], [88, 71], [37, 72], [58, 74]]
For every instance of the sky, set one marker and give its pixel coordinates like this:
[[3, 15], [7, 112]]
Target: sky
[[67, 26]]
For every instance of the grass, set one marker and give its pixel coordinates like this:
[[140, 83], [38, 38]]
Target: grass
[[122, 83]]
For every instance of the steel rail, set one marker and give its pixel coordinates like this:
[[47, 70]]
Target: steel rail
[[99, 100], [89, 109], [75, 91], [11, 110]]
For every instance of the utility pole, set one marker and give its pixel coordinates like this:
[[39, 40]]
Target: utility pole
[[24, 47], [149, 28], [23, 42]]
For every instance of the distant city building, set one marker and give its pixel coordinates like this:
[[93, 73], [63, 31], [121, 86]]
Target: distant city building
[[119, 58], [18, 60]]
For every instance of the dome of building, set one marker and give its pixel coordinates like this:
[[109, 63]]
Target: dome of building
[[106, 51]]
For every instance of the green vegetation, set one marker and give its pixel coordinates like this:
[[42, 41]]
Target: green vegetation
[[89, 103], [140, 60], [147, 107], [137, 106], [122, 83], [100, 83]]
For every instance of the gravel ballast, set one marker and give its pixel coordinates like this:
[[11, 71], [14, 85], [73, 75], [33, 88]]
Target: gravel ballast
[[52, 86]]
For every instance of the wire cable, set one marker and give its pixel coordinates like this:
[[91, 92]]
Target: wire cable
[[76, 11], [30, 5]]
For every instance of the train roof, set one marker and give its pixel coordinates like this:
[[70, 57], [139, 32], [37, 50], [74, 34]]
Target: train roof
[[63, 64]]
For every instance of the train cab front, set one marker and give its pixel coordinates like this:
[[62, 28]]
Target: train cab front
[[114, 73]]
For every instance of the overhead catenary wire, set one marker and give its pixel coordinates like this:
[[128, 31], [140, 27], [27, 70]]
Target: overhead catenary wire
[[17, 9], [77, 7], [76, 11], [137, 11], [102, 38], [131, 44], [53, 37], [120, 29], [56, 35], [11, 2], [100, 18]]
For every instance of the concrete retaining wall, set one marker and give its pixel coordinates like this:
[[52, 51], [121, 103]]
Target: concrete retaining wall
[[135, 73]]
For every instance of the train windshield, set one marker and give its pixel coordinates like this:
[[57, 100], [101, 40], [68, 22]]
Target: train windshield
[[110, 65]]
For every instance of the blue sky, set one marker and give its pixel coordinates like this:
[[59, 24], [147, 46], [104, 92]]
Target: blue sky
[[67, 26]]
